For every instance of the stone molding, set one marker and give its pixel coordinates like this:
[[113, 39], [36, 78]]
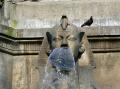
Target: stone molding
[[31, 45], [19, 46]]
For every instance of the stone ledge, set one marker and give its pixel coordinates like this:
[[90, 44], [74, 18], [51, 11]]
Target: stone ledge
[[32, 46], [101, 30], [90, 31], [106, 50], [19, 46]]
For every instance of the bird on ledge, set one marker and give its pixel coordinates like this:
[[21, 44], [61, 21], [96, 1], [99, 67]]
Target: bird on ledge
[[88, 22]]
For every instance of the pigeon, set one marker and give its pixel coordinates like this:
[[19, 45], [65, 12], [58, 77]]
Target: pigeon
[[34, 0], [88, 22]]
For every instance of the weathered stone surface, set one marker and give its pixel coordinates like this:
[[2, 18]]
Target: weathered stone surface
[[5, 71], [107, 72], [85, 0], [0, 15], [44, 10], [26, 74], [101, 30], [33, 72], [7, 30], [19, 76], [104, 76], [46, 13], [90, 31]]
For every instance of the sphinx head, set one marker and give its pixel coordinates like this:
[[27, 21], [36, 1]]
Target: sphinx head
[[66, 35]]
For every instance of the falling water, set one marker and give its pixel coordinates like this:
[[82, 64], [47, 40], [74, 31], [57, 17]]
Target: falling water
[[62, 74]]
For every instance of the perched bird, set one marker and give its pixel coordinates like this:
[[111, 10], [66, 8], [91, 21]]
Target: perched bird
[[88, 22], [34, 0]]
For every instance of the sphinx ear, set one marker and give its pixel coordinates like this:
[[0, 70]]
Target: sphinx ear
[[80, 52], [81, 34], [87, 56], [49, 39]]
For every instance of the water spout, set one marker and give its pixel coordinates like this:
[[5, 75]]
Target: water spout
[[62, 73]]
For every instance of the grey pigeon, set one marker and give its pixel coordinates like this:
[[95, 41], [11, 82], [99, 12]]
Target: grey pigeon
[[88, 22]]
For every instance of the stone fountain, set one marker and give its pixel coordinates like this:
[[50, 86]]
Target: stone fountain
[[32, 19], [67, 49]]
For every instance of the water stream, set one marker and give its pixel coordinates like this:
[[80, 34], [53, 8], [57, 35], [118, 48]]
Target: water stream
[[62, 74]]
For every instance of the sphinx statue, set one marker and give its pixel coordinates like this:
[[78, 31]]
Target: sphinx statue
[[66, 48]]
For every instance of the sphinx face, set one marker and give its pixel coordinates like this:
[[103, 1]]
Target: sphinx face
[[67, 39]]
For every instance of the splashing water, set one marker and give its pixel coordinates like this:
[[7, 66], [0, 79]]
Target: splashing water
[[62, 74], [62, 59]]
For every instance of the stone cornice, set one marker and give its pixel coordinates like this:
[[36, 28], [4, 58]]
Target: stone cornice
[[19, 46], [31, 46], [104, 43]]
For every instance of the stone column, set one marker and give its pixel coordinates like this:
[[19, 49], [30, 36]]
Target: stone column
[[19, 80], [4, 80], [6, 11]]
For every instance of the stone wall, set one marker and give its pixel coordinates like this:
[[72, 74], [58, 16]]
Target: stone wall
[[26, 72], [90, 31], [107, 72], [5, 71], [45, 14], [73, 9], [19, 57]]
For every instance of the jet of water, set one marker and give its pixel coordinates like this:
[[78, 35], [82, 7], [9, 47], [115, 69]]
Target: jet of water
[[63, 74]]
